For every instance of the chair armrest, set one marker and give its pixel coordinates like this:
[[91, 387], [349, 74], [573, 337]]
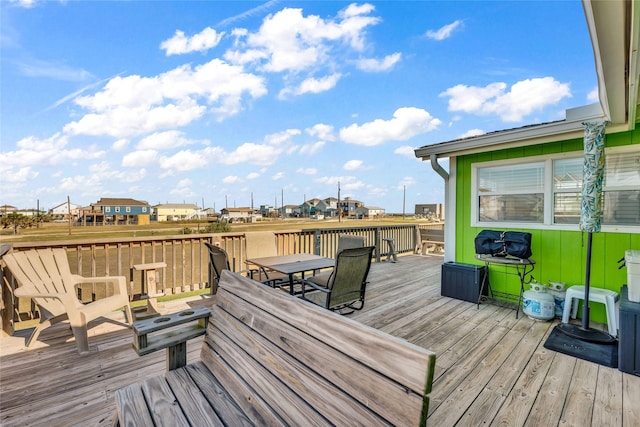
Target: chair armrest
[[119, 282], [28, 292], [314, 286]]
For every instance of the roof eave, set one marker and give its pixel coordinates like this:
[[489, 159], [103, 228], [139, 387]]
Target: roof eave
[[520, 137]]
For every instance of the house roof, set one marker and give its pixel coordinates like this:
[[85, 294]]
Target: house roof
[[176, 206], [105, 201], [614, 28], [237, 209]]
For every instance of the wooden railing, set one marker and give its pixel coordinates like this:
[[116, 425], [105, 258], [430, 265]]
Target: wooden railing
[[186, 258]]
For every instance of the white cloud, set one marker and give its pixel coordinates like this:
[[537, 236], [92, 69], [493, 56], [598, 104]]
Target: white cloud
[[525, 97], [307, 171], [19, 175], [100, 176], [140, 158], [50, 151], [163, 141], [201, 42], [231, 179], [347, 183], [352, 165], [184, 160], [183, 189], [279, 138], [406, 123], [406, 151], [311, 148], [472, 132], [287, 41], [278, 176], [250, 152], [135, 105], [120, 144], [406, 181], [443, 32], [27, 4], [312, 85], [375, 65], [253, 175], [39, 68], [322, 131], [593, 96]]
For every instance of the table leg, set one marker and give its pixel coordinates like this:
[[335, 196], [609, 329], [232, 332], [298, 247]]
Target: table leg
[[290, 283], [484, 281]]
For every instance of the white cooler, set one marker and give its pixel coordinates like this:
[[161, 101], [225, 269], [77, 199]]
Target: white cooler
[[632, 260]]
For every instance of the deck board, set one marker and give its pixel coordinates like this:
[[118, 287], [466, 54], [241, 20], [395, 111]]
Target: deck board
[[491, 368]]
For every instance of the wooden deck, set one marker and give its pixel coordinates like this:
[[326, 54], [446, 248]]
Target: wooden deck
[[491, 368]]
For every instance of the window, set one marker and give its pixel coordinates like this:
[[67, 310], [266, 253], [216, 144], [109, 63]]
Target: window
[[567, 187], [622, 189], [127, 209], [107, 208], [537, 192], [144, 209], [511, 193], [117, 208]]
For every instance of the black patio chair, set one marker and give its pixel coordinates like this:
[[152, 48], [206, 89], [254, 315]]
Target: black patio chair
[[345, 290], [218, 261]]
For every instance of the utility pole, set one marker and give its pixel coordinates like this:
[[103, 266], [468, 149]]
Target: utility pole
[[339, 205], [404, 198], [69, 212], [282, 201]]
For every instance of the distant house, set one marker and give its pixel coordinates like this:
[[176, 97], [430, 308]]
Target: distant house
[[435, 210], [30, 212], [268, 210], [174, 212], [112, 211], [369, 212], [65, 209], [7, 209], [288, 211], [327, 207], [239, 214], [349, 206]]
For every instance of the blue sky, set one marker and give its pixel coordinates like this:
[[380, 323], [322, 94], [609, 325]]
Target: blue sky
[[207, 101]]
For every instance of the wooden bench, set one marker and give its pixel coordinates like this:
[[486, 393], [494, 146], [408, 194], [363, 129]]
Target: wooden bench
[[269, 358], [431, 239]]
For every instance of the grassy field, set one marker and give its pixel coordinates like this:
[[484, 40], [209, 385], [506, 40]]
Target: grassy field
[[60, 231]]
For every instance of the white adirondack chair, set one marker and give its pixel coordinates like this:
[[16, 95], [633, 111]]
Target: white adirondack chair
[[44, 276]]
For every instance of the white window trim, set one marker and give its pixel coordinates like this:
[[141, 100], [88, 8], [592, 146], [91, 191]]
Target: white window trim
[[548, 193]]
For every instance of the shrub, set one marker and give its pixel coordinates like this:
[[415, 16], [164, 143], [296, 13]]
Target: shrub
[[218, 227]]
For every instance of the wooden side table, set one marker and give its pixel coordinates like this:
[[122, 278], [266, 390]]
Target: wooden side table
[[171, 332], [392, 249], [150, 278]]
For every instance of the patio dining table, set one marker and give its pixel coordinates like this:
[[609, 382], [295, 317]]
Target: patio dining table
[[293, 264]]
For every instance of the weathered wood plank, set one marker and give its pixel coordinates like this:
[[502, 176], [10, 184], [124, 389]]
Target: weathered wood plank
[[225, 407], [163, 404], [191, 399], [322, 370], [630, 399], [578, 408], [34, 390], [607, 408], [547, 408], [131, 402]]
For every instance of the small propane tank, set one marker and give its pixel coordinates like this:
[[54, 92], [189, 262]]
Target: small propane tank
[[559, 292], [537, 303]]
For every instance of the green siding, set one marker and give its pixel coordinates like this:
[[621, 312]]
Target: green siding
[[560, 255]]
